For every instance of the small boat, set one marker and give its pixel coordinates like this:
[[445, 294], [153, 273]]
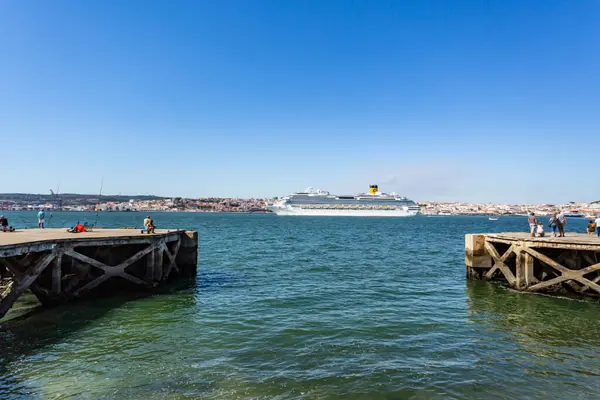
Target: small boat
[[493, 218]]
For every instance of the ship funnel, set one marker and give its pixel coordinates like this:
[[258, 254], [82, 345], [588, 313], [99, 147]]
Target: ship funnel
[[373, 189]]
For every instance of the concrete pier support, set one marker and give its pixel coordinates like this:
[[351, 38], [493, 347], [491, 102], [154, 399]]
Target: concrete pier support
[[58, 266], [569, 264], [477, 259]]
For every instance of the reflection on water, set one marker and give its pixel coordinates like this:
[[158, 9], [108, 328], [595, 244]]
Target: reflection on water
[[538, 317], [550, 339]]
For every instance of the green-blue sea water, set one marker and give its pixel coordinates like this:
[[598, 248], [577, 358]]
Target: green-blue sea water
[[310, 308]]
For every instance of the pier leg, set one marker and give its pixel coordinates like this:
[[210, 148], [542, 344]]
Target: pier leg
[[158, 270], [57, 274], [525, 276], [476, 257], [150, 267], [530, 278]]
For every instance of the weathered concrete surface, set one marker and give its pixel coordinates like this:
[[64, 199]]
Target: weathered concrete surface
[[36, 240], [23, 236], [570, 238]]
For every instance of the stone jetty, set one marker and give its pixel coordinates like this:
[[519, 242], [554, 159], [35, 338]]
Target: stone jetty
[[569, 264], [58, 266]]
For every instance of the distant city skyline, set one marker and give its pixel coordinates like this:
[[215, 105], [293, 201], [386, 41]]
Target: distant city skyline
[[451, 101], [125, 196]]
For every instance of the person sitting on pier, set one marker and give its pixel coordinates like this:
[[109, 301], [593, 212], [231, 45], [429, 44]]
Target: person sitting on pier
[[591, 228], [148, 225], [78, 228], [540, 229], [4, 225], [533, 222]]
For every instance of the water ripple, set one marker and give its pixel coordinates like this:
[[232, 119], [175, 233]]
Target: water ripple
[[312, 308]]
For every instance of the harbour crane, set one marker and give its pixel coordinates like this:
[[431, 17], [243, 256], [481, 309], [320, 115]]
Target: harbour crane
[[56, 200]]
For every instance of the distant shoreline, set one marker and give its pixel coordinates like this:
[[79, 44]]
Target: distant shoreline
[[271, 213], [143, 211]]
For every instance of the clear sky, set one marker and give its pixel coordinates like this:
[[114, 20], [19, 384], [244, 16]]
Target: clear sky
[[491, 101]]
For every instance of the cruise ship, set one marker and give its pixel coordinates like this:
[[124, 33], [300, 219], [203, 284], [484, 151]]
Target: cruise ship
[[322, 203]]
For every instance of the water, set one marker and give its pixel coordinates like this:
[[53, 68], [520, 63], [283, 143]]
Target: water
[[311, 308]]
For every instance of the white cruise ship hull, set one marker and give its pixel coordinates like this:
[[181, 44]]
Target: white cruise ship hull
[[341, 212]]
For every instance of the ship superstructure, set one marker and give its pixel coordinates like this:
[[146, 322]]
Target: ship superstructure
[[321, 202]]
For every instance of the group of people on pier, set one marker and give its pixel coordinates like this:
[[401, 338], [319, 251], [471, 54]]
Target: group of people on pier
[[558, 220], [149, 226]]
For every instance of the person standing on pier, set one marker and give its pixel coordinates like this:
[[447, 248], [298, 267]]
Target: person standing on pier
[[149, 225], [533, 222], [553, 224], [41, 218], [561, 221], [597, 221]]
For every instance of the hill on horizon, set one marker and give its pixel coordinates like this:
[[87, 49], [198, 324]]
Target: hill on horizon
[[74, 198]]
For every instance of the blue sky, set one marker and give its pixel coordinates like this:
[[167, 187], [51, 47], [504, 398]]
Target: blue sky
[[491, 101]]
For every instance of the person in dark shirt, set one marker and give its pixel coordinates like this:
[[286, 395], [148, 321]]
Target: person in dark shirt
[[554, 224], [4, 225], [591, 228]]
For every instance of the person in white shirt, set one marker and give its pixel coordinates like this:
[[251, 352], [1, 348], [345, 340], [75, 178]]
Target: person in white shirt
[[540, 229], [598, 225]]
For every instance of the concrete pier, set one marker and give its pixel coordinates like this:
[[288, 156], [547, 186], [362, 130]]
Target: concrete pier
[[59, 266], [570, 264]]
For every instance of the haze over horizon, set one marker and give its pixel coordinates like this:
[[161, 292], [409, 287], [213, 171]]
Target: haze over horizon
[[450, 101]]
